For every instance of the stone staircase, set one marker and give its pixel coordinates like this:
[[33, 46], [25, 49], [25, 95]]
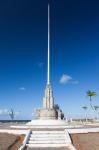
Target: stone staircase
[[48, 139]]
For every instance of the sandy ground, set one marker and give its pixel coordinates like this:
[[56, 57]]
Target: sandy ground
[[10, 141], [88, 141]]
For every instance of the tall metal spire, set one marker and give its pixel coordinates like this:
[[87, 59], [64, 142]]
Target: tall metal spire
[[48, 100], [48, 67]]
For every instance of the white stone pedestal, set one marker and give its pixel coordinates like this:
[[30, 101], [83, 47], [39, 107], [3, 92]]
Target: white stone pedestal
[[47, 124]]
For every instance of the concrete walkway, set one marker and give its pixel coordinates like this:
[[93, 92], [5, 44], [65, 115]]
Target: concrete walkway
[[62, 148]]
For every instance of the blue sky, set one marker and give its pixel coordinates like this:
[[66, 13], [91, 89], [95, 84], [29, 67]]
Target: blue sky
[[23, 54]]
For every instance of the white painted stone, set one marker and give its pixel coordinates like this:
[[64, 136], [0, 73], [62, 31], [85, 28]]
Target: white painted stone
[[48, 132], [47, 139], [13, 131], [46, 145], [48, 100], [25, 140], [19, 126], [83, 130], [47, 142], [67, 137], [47, 123], [46, 114], [44, 138]]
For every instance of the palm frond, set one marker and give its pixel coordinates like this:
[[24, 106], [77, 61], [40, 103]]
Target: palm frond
[[85, 107], [91, 93]]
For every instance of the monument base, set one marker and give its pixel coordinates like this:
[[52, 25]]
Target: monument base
[[47, 114], [47, 123], [47, 118]]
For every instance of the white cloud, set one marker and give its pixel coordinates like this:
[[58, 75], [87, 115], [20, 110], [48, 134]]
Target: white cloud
[[1, 112], [5, 111], [65, 79], [22, 88]]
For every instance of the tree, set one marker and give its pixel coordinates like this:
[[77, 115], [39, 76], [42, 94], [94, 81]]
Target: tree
[[90, 94], [11, 114], [96, 109], [85, 108], [56, 107], [62, 116]]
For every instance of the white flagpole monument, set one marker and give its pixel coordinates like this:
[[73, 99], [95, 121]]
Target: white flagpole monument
[[46, 117], [48, 113]]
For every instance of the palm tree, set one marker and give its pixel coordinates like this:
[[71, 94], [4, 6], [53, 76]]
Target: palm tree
[[90, 94], [11, 114], [96, 109], [85, 108]]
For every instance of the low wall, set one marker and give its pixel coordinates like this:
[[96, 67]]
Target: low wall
[[13, 131], [87, 130]]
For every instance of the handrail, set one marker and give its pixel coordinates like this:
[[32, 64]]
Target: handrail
[[25, 140]]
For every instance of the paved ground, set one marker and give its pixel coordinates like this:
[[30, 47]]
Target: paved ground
[[86, 141], [7, 126]]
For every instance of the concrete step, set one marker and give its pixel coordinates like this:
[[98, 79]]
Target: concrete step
[[46, 138], [46, 135], [46, 145], [47, 142], [48, 132]]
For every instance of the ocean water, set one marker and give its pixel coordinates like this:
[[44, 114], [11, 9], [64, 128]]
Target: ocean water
[[14, 121]]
